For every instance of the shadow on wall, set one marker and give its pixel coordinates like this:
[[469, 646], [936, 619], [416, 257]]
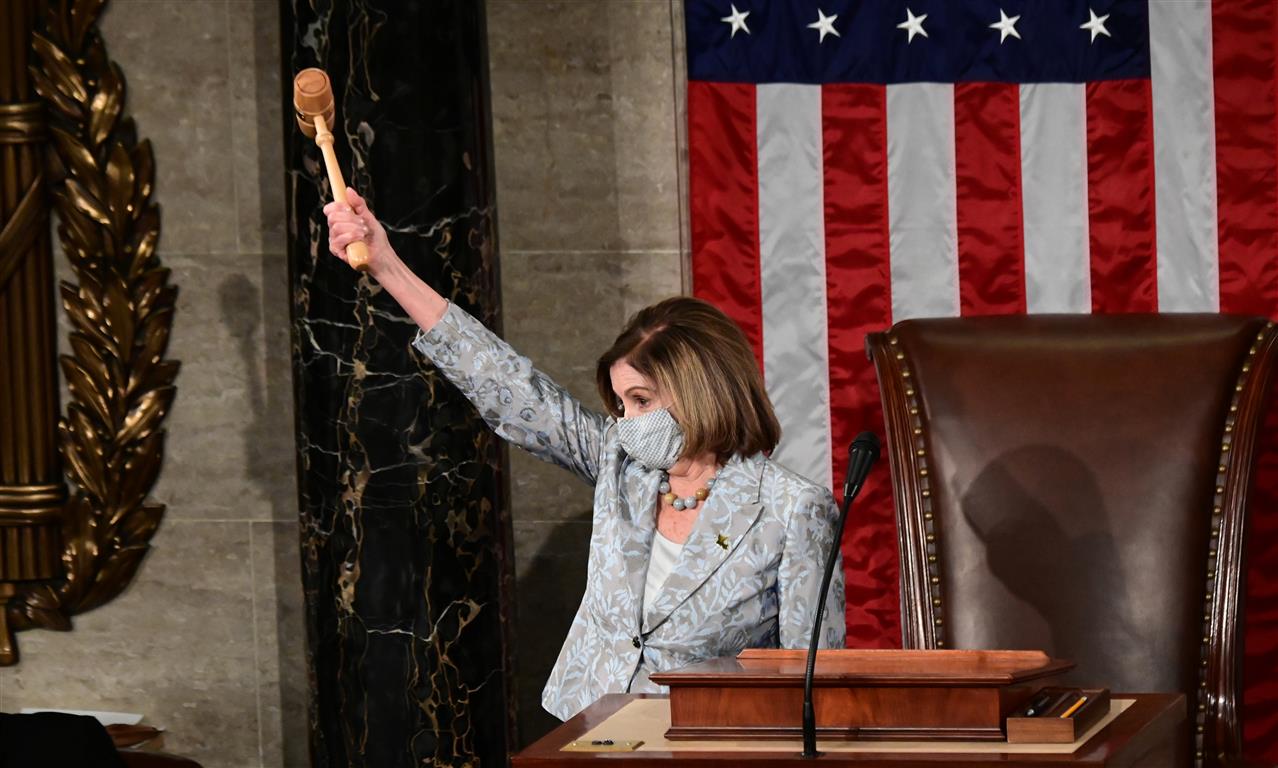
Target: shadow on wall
[[1043, 524], [548, 593]]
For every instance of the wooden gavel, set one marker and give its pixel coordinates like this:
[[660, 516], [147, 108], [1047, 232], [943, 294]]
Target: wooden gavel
[[313, 102]]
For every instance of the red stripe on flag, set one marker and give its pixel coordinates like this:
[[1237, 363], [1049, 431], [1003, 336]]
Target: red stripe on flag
[[723, 191], [1246, 155], [1243, 52], [987, 162], [859, 295], [1120, 192]]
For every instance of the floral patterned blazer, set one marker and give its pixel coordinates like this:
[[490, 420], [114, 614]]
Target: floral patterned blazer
[[747, 577]]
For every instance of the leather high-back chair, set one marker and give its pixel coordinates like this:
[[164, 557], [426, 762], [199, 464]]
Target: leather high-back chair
[[1080, 484]]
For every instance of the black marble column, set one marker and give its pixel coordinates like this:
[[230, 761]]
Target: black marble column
[[404, 529]]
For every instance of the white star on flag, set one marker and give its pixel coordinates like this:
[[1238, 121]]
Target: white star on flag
[[1096, 25], [825, 25], [913, 24], [737, 20], [1006, 26]]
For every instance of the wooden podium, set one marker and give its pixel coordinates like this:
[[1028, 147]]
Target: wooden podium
[[861, 694], [1148, 733], [872, 708]]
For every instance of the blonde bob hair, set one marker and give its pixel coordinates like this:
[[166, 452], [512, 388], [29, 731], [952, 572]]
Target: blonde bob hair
[[704, 367]]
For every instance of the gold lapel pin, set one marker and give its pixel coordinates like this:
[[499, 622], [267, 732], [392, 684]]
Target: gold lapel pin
[[722, 541]]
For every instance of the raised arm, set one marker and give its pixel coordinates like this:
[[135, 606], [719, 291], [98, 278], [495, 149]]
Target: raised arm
[[521, 404], [348, 224]]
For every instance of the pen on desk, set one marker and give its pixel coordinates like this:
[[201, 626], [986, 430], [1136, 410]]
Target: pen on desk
[[1036, 706], [1074, 707]]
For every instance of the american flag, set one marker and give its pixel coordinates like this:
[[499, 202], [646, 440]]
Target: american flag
[[854, 163]]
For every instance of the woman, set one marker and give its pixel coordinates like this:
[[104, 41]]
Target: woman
[[701, 545]]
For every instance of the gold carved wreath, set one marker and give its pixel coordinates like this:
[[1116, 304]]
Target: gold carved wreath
[[120, 310]]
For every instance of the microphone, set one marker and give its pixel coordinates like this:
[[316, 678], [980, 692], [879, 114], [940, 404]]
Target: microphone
[[862, 454]]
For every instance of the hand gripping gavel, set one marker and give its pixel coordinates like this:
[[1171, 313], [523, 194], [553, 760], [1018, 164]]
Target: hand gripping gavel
[[313, 102]]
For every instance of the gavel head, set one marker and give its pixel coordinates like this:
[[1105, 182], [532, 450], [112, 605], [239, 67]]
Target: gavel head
[[312, 97]]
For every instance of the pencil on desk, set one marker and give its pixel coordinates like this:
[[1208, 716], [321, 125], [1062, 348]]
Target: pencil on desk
[[1074, 707]]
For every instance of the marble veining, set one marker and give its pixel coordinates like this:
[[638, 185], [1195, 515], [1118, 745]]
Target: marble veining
[[404, 530]]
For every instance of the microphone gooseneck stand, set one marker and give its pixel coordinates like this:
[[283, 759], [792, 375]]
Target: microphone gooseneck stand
[[862, 454]]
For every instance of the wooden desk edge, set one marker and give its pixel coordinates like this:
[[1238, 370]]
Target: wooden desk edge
[[1136, 731]]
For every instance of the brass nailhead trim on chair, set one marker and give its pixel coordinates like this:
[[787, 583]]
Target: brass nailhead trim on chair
[[1205, 702], [919, 435]]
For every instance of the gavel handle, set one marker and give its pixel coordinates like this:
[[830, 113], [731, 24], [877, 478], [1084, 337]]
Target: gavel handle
[[356, 252]]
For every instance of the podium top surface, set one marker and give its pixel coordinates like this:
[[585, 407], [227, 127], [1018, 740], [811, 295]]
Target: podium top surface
[[782, 667]]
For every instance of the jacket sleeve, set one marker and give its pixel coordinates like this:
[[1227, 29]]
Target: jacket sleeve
[[519, 402], [808, 538]]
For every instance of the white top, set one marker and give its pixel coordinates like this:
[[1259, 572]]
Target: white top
[[665, 553]]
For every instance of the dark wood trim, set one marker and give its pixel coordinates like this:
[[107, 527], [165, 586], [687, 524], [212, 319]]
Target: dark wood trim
[[908, 459], [1219, 697]]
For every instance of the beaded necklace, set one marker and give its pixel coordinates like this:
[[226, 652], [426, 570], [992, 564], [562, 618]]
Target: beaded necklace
[[690, 502]]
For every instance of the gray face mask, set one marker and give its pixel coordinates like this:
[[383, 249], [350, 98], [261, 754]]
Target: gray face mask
[[654, 439]]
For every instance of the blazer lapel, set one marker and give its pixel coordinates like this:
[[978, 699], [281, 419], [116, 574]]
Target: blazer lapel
[[731, 510]]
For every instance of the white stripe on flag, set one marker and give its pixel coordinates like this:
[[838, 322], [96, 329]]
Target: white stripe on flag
[[792, 274], [922, 211], [1054, 198], [1184, 155]]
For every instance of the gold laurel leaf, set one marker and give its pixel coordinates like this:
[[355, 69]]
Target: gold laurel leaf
[[79, 315], [148, 290], [84, 346], [87, 203], [82, 545], [140, 470], [66, 78], [83, 388], [119, 313], [79, 461], [82, 16], [80, 161], [70, 297], [93, 363], [119, 195], [81, 553], [149, 372], [154, 375], [157, 324], [144, 249], [44, 86], [144, 169], [86, 435], [154, 335], [41, 607], [80, 234], [114, 510], [106, 105], [117, 570], [54, 168], [142, 524], [90, 293], [145, 415]]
